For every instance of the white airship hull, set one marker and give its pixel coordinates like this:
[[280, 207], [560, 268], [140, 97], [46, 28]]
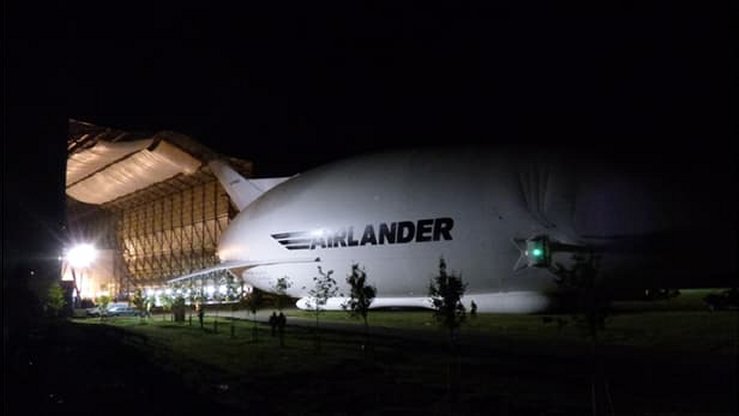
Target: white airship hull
[[397, 222], [396, 214]]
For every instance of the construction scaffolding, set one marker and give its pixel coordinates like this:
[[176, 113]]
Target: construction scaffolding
[[171, 228], [163, 229]]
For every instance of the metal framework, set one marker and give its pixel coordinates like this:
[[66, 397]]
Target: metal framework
[[165, 230], [171, 228]]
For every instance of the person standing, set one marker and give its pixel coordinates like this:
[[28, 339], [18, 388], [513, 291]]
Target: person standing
[[281, 321], [201, 313], [273, 323]]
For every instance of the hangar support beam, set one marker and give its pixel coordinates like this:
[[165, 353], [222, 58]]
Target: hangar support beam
[[174, 231]]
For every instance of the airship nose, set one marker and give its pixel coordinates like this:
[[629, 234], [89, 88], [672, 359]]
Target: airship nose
[[232, 243]]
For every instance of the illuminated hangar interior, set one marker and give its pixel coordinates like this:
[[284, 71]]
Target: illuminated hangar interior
[[142, 208]]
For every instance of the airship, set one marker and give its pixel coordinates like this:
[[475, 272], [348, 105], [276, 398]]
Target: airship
[[499, 219]]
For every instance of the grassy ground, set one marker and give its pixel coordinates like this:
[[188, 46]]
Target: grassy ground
[[653, 359], [679, 324]]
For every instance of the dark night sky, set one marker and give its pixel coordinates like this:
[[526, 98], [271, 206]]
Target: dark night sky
[[292, 85]]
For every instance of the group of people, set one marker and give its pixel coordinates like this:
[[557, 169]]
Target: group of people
[[277, 322]]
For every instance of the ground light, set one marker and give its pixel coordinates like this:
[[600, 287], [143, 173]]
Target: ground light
[[81, 255]]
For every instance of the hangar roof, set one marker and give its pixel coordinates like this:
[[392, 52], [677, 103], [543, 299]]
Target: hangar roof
[[105, 164]]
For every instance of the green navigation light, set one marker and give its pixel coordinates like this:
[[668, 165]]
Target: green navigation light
[[537, 251]]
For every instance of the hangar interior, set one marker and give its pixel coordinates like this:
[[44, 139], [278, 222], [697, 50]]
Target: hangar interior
[[150, 206]]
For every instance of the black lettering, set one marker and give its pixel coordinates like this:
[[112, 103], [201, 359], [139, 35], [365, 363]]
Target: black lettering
[[406, 232], [350, 241], [369, 235], [423, 230], [340, 238], [318, 241], [393, 233], [443, 228], [387, 234]]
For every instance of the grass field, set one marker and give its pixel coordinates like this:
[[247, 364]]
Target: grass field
[[654, 358]]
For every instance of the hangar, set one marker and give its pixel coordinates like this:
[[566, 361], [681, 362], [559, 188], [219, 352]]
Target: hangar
[[149, 205]]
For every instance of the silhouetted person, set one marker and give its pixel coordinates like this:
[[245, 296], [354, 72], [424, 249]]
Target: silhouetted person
[[273, 323], [281, 321], [201, 314], [473, 309]]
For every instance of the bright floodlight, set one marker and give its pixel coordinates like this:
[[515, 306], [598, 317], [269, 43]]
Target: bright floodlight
[[81, 255]]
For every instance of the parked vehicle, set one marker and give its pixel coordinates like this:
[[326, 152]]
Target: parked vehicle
[[123, 311], [113, 309]]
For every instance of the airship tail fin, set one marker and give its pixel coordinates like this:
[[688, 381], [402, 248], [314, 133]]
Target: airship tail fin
[[241, 190]]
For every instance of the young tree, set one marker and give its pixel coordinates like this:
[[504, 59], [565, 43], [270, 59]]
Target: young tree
[[139, 302], [149, 302], [178, 308], [588, 299], [232, 288], [195, 298], [253, 301], [167, 303], [361, 296], [280, 289], [323, 289], [233, 295], [103, 302], [54, 302], [446, 291]]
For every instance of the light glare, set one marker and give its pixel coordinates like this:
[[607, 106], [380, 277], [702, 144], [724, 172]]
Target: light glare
[[81, 255]]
